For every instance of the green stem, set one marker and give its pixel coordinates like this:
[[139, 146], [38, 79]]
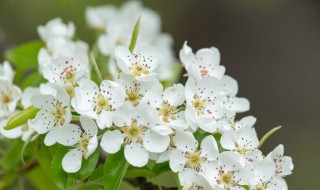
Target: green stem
[[176, 179], [266, 136], [95, 66]]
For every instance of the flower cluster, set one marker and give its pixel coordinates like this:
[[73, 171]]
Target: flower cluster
[[135, 112]]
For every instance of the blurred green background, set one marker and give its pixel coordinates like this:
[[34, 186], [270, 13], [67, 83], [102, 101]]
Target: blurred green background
[[272, 47]]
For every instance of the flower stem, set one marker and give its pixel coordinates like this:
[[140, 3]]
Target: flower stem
[[95, 66], [266, 136]]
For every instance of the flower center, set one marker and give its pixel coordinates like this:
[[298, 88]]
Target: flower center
[[133, 132], [198, 104], [227, 179], [83, 144], [194, 160], [68, 74], [140, 67], [133, 96], [59, 114], [260, 187], [6, 98], [102, 103], [25, 127], [203, 71], [167, 112]]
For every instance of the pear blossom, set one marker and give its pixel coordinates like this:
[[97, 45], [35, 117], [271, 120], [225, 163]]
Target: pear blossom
[[98, 102], [206, 62], [230, 172], [134, 132], [56, 28], [6, 71], [138, 91], [140, 64], [9, 96], [195, 160], [284, 165], [99, 17], [54, 112], [84, 140], [59, 47], [202, 108], [168, 104]]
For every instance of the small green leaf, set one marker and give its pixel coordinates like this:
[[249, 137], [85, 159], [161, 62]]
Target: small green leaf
[[97, 174], [88, 166], [115, 168], [21, 117], [44, 158], [40, 180], [91, 186], [62, 179], [33, 80], [11, 159], [24, 57], [266, 136], [160, 168], [134, 36], [139, 173]]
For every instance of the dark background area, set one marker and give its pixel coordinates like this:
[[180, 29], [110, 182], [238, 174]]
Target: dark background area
[[272, 47]]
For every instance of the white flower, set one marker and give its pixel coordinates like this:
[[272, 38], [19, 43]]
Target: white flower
[[54, 113], [56, 28], [99, 17], [243, 140], [193, 160], [202, 64], [6, 71], [168, 104], [230, 124], [135, 134], [138, 91], [67, 71], [230, 172], [140, 64], [202, 108], [98, 102], [9, 97], [284, 165], [180, 140], [60, 47], [85, 142], [23, 131]]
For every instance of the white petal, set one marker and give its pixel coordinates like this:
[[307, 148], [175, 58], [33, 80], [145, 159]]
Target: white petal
[[123, 115], [231, 161], [105, 119], [174, 95], [42, 123], [155, 142], [136, 155], [50, 138], [230, 84], [177, 160], [88, 125], [68, 135], [124, 58], [27, 94], [277, 152], [265, 169], [248, 121], [184, 140], [228, 140], [209, 148], [111, 141], [92, 146], [71, 162], [277, 183]]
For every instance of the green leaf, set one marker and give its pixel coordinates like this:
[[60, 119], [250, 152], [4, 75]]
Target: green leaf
[[44, 158], [40, 180], [24, 57], [160, 168], [21, 117], [134, 36], [7, 179], [97, 174], [34, 79], [115, 168], [266, 136], [91, 186], [88, 166], [139, 173], [62, 179], [11, 159]]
